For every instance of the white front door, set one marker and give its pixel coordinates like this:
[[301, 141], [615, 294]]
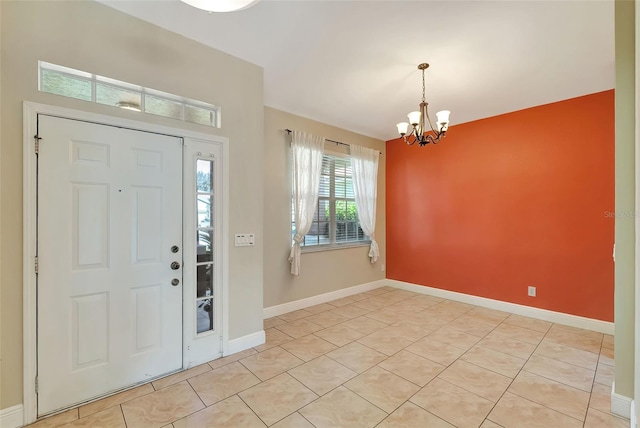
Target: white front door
[[109, 230]]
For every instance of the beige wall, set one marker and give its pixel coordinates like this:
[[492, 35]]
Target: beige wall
[[92, 37], [625, 198], [323, 271]]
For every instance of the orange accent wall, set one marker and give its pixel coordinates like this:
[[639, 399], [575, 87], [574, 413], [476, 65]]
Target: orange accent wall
[[524, 198]]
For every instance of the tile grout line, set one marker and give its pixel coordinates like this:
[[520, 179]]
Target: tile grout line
[[123, 417], [513, 380], [197, 395], [251, 408], [593, 384]]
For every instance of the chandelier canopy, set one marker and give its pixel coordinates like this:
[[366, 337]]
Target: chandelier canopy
[[221, 5], [419, 120]]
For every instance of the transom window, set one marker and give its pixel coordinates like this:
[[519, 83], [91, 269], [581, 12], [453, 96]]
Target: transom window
[[335, 222], [72, 83]]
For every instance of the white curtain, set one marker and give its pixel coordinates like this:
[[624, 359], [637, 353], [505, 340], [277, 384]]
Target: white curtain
[[307, 153], [364, 164]]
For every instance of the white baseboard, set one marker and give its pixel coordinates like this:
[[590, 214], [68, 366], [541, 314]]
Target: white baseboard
[[514, 308], [12, 417], [274, 311], [620, 405], [245, 342], [634, 422]]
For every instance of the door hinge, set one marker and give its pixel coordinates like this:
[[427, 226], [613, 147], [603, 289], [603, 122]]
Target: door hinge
[[36, 384], [35, 264], [37, 143]]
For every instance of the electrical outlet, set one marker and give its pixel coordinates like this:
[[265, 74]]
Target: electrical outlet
[[531, 291], [382, 268]]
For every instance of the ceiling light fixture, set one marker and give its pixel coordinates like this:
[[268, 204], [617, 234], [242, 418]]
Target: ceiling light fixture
[[129, 105], [221, 5], [419, 120]]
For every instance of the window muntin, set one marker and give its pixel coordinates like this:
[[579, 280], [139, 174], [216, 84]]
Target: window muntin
[[68, 82], [335, 222]]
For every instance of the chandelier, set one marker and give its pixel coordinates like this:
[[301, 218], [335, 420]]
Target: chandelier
[[419, 120], [221, 5]]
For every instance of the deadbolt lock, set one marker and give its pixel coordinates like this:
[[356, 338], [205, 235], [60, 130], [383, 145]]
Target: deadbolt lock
[[175, 249]]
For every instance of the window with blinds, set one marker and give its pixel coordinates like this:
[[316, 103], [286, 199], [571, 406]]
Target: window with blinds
[[335, 222]]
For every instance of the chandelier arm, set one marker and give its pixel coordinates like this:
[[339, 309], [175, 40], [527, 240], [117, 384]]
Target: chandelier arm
[[408, 140], [426, 111]]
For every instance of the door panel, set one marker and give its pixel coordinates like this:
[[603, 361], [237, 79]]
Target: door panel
[[109, 211], [90, 236]]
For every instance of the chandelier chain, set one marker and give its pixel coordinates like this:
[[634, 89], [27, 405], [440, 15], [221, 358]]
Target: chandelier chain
[[423, 88]]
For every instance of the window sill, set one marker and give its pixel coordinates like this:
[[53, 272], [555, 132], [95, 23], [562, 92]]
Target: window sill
[[318, 248]]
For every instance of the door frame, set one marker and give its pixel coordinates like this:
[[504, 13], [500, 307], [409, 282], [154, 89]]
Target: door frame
[[635, 403], [30, 129]]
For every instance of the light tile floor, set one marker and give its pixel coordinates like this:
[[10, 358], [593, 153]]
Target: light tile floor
[[385, 358]]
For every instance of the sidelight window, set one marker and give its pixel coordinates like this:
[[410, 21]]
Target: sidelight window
[[205, 267]]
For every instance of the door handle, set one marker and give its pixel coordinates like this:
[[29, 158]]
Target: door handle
[[175, 265]]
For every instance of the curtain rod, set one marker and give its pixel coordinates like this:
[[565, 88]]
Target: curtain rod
[[326, 139]]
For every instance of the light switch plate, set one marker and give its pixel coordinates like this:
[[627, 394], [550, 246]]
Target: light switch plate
[[245, 239]]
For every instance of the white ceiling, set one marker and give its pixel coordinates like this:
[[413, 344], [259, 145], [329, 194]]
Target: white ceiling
[[353, 64]]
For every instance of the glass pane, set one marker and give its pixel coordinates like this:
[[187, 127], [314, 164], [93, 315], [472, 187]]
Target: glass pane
[[114, 96], [311, 240], [326, 165], [59, 68], [352, 231], [325, 186], [120, 84], [341, 188], [205, 213], [323, 210], [65, 85], [341, 231], [162, 107], [204, 251], [341, 166], [323, 235], [361, 235], [205, 280], [341, 210], [349, 188], [204, 313], [199, 115], [313, 230], [204, 171], [352, 211]]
